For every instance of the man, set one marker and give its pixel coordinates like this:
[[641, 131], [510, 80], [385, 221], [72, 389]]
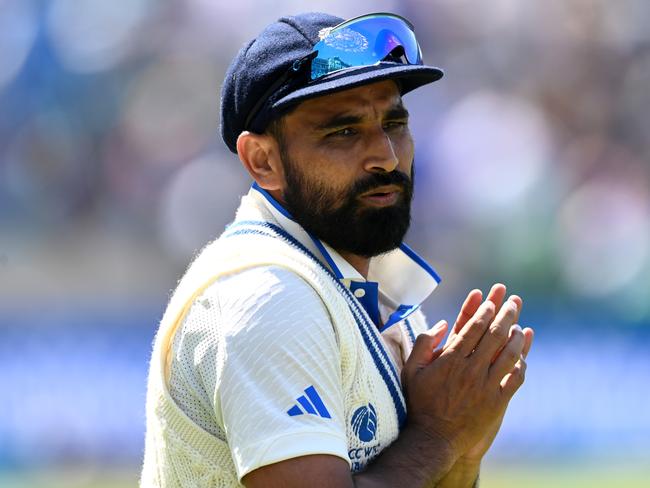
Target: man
[[293, 352]]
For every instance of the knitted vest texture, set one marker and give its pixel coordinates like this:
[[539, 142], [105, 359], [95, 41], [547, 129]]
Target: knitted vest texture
[[179, 453]]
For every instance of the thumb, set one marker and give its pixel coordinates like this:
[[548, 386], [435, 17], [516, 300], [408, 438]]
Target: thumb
[[424, 348]]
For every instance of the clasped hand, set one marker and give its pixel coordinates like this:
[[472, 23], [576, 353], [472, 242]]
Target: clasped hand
[[458, 393]]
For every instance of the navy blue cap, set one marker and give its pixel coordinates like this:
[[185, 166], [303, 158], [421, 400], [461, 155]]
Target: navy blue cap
[[266, 59]]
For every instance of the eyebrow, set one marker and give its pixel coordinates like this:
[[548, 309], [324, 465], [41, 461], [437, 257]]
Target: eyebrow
[[339, 121], [396, 112]]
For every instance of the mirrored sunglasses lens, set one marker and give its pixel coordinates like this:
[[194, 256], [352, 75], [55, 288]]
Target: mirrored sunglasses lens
[[364, 43], [392, 32]]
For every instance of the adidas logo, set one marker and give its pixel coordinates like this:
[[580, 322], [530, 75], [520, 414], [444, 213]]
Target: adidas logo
[[311, 403]]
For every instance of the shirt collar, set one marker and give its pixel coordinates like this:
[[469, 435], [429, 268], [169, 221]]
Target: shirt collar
[[405, 279]]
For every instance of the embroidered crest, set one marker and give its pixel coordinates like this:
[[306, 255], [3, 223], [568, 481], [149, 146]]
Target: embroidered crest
[[364, 423]]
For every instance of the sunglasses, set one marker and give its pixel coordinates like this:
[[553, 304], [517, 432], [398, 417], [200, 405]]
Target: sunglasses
[[359, 42], [365, 41]]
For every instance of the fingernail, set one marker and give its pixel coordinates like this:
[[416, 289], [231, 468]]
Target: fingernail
[[440, 325]]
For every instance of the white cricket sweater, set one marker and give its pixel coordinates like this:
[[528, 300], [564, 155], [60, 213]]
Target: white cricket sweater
[[178, 452]]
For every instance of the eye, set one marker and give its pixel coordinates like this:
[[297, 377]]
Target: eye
[[346, 132], [395, 124]]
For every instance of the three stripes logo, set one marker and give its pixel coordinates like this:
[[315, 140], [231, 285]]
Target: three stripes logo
[[311, 403]]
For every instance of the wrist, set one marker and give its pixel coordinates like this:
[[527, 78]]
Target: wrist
[[463, 474], [436, 435], [437, 449], [417, 458], [468, 464]]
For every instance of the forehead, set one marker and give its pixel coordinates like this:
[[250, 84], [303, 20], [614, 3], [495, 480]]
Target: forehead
[[374, 98]]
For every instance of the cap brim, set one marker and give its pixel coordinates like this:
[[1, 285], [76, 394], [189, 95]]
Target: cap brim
[[410, 76]]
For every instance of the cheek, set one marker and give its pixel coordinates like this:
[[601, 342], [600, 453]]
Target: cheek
[[329, 178], [335, 170], [405, 149]]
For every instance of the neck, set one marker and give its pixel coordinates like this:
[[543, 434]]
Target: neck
[[360, 263]]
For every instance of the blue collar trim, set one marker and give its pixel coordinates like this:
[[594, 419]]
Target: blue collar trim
[[418, 274], [327, 256], [273, 201], [423, 264]]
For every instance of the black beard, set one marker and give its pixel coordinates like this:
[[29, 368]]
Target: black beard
[[340, 220]]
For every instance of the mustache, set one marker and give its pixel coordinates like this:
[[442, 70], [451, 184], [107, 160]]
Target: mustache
[[376, 180]]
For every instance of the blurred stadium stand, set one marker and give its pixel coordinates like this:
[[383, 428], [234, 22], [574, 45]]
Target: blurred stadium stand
[[533, 168]]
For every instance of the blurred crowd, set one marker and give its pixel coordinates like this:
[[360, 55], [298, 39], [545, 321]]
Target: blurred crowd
[[533, 168], [533, 157]]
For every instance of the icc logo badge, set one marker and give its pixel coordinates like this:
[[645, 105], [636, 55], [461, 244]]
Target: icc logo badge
[[364, 422]]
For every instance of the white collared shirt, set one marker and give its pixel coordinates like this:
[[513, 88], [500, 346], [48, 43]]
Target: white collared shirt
[[401, 278], [279, 394]]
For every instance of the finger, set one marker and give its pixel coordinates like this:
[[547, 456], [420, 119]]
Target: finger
[[468, 309], [513, 380], [496, 294], [424, 348], [498, 332], [424, 351], [473, 301], [529, 335], [520, 303], [509, 355], [467, 339]]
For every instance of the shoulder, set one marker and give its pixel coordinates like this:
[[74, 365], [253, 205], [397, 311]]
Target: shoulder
[[262, 281], [253, 321], [259, 306], [265, 292]]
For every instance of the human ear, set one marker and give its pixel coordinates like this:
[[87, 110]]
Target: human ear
[[259, 154]]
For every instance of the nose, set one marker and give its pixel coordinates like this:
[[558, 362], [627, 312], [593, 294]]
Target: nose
[[381, 155]]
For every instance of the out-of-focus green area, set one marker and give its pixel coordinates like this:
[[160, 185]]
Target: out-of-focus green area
[[533, 168], [565, 476], [498, 476], [70, 479]]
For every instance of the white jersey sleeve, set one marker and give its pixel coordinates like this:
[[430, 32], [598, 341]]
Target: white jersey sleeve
[[277, 388]]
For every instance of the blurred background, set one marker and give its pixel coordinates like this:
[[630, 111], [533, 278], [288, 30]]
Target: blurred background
[[533, 162]]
